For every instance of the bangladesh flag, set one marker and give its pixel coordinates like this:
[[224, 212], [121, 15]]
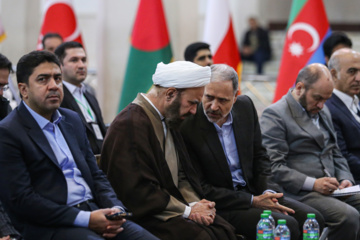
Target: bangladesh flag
[[150, 45], [308, 27]]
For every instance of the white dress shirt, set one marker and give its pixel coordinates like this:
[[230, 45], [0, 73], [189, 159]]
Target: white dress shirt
[[352, 103]]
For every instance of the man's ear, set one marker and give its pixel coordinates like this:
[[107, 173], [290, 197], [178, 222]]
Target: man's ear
[[334, 74], [23, 89], [237, 93], [170, 93], [299, 88]]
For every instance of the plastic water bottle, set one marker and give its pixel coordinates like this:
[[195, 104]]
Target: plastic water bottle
[[272, 220], [264, 229], [311, 230], [282, 232]]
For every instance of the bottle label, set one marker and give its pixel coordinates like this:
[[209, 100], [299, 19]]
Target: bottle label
[[265, 234], [284, 237], [310, 235]]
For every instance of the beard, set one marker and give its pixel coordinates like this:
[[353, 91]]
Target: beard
[[172, 114], [303, 103], [213, 120]]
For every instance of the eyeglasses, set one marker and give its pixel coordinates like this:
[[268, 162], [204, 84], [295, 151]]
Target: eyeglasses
[[4, 88]]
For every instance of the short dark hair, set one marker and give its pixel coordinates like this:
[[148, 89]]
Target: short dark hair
[[333, 40], [5, 63], [308, 75], [60, 51], [30, 61], [192, 49], [50, 35]]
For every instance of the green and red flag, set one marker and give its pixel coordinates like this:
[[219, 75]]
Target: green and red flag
[[150, 44], [307, 29]]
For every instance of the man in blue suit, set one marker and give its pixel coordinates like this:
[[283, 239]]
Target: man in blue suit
[[344, 66], [49, 180]]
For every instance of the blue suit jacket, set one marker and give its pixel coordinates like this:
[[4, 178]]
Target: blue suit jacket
[[33, 186], [348, 133]]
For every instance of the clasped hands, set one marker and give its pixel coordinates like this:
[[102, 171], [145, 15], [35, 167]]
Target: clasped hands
[[203, 212], [326, 185], [100, 224], [270, 201]]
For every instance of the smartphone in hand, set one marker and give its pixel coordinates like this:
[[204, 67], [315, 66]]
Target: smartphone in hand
[[118, 215]]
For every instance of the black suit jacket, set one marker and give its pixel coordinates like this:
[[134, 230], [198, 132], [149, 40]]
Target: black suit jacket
[[33, 186], [207, 154], [70, 103], [348, 133], [263, 41]]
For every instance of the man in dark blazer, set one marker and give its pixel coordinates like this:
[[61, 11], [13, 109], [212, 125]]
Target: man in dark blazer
[[224, 143], [49, 180], [5, 70], [305, 159], [344, 66], [76, 95]]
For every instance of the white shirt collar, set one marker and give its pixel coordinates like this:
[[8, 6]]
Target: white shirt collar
[[228, 122], [74, 89], [161, 116], [347, 100]]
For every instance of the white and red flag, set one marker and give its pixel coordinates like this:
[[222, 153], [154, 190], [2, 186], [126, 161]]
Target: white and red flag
[[219, 33], [59, 17]]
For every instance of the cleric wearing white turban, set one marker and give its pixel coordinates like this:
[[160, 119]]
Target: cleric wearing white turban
[[147, 162], [181, 74]]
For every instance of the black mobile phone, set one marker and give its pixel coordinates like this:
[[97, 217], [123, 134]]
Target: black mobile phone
[[119, 215]]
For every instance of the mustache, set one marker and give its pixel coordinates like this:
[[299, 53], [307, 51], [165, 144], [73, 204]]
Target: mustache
[[53, 94], [213, 112]]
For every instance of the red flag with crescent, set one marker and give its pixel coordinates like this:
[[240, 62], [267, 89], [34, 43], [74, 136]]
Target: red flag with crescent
[[59, 17], [308, 27]]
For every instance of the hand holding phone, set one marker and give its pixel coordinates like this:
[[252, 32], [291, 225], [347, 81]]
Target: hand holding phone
[[118, 215]]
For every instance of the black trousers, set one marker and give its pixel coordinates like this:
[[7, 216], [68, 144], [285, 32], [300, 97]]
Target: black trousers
[[245, 220]]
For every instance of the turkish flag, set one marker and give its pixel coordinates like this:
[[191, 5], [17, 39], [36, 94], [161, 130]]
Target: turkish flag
[[60, 18]]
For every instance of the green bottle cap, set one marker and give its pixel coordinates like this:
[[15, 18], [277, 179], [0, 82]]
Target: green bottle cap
[[311, 215], [264, 215], [282, 221], [267, 211]]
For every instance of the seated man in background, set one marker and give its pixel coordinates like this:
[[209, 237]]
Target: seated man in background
[[223, 139], [334, 42], [50, 183], [256, 45], [73, 61], [5, 70], [51, 41], [146, 161], [6, 228], [344, 66], [305, 158], [199, 53]]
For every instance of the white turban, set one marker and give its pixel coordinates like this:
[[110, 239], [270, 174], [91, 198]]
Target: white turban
[[181, 74]]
